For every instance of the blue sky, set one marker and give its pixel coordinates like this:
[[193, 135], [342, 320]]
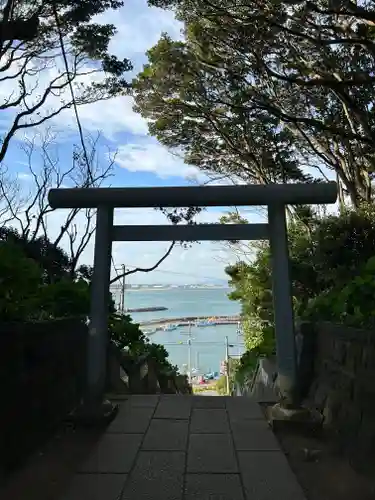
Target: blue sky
[[140, 160]]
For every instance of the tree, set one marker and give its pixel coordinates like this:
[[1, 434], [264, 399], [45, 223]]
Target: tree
[[10, 190], [46, 171], [307, 65], [189, 105], [52, 261], [19, 280], [331, 270], [66, 64], [34, 282], [32, 216]]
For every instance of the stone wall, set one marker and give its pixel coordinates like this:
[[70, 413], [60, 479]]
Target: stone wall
[[41, 381], [343, 387]]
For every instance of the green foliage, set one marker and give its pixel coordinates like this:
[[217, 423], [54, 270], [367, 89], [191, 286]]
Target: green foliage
[[73, 27], [221, 383], [272, 73], [191, 107], [66, 298], [246, 367], [332, 266], [88, 38], [20, 278], [35, 285], [127, 335], [221, 386], [25, 289], [52, 260], [352, 304]]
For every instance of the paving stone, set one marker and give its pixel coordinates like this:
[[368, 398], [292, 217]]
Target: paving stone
[[208, 402], [243, 407], [166, 434], [157, 475], [95, 487], [266, 475], [114, 453], [174, 407], [144, 400], [131, 420], [211, 453], [253, 435], [211, 421], [213, 487], [172, 397]]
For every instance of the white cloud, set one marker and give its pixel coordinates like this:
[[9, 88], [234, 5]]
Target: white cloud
[[22, 176], [110, 117], [149, 156], [184, 265], [199, 262], [139, 27]]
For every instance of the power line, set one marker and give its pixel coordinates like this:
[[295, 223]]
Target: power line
[[75, 108], [114, 266]]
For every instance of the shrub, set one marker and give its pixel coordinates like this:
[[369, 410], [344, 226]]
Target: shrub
[[352, 304], [329, 278]]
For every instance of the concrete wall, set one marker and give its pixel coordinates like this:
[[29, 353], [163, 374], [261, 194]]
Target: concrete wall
[[41, 380], [343, 386]]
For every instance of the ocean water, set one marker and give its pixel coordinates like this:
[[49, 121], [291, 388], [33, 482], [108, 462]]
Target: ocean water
[[208, 343]]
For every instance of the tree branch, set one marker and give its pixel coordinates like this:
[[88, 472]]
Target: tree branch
[[145, 269]]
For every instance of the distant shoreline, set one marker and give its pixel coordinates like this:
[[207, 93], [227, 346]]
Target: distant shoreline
[[176, 288]]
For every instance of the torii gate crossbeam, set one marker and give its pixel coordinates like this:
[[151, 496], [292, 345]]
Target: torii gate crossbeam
[[275, 196]]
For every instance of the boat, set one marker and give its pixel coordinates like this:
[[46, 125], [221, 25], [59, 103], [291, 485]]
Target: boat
[[170, 327], [205, 323]]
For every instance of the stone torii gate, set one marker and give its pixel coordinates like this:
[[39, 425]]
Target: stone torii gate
[[275, 196]]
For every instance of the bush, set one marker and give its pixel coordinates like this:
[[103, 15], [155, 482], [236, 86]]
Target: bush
[[35, 285], [353, 304], [329, 278], [20, 279], [127, 335], [221, 385]]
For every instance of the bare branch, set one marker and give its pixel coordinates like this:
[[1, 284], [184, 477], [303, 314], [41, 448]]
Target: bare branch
[[11, 199], [46, 171], [145, 269]]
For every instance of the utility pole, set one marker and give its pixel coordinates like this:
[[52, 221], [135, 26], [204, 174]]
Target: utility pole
[[189, 351], [122, 305], [189, 359], [227, 363], [238, 338]]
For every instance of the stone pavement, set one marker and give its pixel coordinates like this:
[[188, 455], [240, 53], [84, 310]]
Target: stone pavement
[[186, 448]]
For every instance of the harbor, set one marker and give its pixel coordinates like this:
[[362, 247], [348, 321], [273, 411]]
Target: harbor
[[192, 329], [170, 324]]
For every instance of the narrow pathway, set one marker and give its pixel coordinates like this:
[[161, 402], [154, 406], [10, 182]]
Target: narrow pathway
[[186, 448]]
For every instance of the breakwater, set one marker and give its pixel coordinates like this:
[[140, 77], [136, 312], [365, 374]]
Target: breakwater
[[146, 309], [187, 320]]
